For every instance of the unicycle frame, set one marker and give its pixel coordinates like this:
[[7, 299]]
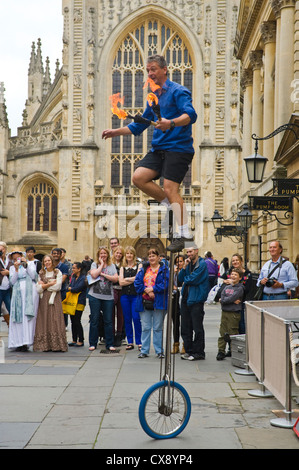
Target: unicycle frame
[[167, 407]]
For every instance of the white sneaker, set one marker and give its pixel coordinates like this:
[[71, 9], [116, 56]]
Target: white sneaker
[[185, 356]]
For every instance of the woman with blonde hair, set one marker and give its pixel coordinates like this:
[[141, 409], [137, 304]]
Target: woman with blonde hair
[[101, 298], [118, 258], [127, 276]]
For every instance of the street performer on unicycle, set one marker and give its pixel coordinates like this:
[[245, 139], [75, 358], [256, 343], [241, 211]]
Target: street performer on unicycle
[[172, 147]]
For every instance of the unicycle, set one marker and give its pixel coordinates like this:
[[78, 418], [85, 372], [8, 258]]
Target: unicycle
[[165, 408]]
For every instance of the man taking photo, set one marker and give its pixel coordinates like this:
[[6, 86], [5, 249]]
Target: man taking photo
[[278, 275]]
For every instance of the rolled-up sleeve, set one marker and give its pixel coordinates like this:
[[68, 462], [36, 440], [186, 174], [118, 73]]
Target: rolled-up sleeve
[[184, 103]]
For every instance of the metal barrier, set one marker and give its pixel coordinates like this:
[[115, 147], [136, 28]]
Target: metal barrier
[[268, 328]]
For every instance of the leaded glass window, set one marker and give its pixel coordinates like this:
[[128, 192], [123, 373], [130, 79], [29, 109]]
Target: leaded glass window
[[42, 208], [128, 78]]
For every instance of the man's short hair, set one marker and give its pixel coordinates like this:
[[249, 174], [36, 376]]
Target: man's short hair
[[30, 248], [58, 250], [159, 59]]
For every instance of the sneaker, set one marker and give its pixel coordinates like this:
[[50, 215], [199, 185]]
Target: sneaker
[[196, 357], [220, 356], [179, 243], [142, 355], [185, 356], [160, 356]]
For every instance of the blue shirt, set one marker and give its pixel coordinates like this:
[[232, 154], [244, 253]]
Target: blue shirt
[[286, 274], [174, 101]]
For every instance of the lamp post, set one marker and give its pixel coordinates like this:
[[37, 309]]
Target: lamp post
[[238, 228], [256, 164]]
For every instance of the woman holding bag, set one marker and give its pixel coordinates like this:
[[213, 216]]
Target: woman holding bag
[[78, 286], [101, 298], [127, 277], [50, 327], [151, 284]]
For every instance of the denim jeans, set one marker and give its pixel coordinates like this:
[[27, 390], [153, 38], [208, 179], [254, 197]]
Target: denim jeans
[[152, 320], [283, 296], [107, 307], [5, 296], [192, 329], [130, 315]]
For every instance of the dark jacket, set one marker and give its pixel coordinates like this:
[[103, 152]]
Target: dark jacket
[[160, 288], [197, 282], [79, 285]]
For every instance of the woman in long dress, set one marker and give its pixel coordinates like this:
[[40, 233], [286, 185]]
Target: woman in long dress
[[22, 312], [50, 327]]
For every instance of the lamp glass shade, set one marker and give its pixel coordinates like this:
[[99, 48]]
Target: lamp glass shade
[[217, 219], [245, 217], [218, 235], [255, 167]]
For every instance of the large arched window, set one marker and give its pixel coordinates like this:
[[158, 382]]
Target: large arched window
[[41, 207], [129, 76]]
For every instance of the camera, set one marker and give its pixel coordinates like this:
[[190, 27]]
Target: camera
[[271, 281]]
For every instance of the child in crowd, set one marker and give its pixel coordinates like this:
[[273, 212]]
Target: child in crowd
[[231, 305]]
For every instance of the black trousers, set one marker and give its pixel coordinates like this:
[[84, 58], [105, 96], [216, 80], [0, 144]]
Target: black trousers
[[192, 329], [77, 329]]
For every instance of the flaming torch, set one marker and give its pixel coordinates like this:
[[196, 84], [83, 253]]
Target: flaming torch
[[152, 99], [121, 114]]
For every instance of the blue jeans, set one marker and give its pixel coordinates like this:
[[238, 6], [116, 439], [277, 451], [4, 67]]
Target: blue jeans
[[283, 296], [5, 296], [152, 320], [107, 307], [130, 315]]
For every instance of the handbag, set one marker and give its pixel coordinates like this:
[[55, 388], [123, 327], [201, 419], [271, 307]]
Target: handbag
[[148, 304], [69, 304], [259, 293]]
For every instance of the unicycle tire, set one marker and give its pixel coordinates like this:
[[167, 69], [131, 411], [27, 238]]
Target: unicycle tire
[[160, 421]]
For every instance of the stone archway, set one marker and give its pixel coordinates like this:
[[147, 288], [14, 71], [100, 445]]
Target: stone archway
[[143, 244]]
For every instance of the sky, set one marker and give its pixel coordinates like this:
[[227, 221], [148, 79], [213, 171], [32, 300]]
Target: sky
[[21, 23]]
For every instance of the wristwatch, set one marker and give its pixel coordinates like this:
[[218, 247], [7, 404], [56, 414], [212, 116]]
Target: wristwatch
[[172, 125]]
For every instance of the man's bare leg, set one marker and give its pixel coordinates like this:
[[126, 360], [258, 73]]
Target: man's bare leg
[[143, 179]]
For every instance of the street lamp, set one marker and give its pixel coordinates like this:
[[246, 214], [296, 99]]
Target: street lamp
[[235, 229], [244, 219], [256, 164], [218, 235], [217, 220]]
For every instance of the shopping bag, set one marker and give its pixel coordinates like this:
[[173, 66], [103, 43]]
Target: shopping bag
[[69, 304], [212, 294]]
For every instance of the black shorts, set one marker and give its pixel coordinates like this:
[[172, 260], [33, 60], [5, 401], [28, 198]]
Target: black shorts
[[171, 165]]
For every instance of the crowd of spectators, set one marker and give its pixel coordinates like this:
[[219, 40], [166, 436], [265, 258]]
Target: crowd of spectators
[[128, 298]]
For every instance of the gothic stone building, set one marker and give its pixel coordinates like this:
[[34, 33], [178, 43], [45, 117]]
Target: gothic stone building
[[57, 175]]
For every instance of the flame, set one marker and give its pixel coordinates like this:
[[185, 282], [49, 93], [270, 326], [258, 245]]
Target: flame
[[115, 99], [152, 99], [151, 84]]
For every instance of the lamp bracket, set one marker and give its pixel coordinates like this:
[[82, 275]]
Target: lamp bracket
[[290, 126]]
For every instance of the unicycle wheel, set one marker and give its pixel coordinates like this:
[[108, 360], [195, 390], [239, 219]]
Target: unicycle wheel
[[164, 410]]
